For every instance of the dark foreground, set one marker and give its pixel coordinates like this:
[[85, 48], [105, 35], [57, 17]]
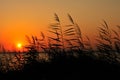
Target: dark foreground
[[65, 69]]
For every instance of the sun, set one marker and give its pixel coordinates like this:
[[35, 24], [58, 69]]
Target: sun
[[19, 45]]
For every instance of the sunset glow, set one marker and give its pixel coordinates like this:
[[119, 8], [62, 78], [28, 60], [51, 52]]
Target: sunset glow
[[29, 17], [36, 34]]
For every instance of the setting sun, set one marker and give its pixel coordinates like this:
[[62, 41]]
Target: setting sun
[[19, 45]]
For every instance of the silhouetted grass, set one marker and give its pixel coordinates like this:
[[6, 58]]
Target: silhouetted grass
[[117, 39], [66, 47], [108, 44]]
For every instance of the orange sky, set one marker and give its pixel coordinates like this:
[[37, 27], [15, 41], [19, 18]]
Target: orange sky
[[28, 17]]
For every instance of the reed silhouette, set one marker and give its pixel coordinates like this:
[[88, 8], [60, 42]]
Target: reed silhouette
[[67, 54]]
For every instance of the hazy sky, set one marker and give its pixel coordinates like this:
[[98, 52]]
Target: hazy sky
[[28, 17]]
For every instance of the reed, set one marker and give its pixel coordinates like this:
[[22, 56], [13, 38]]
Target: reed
[[116, 39], [108, 43], [65, 44], [104, 39]]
